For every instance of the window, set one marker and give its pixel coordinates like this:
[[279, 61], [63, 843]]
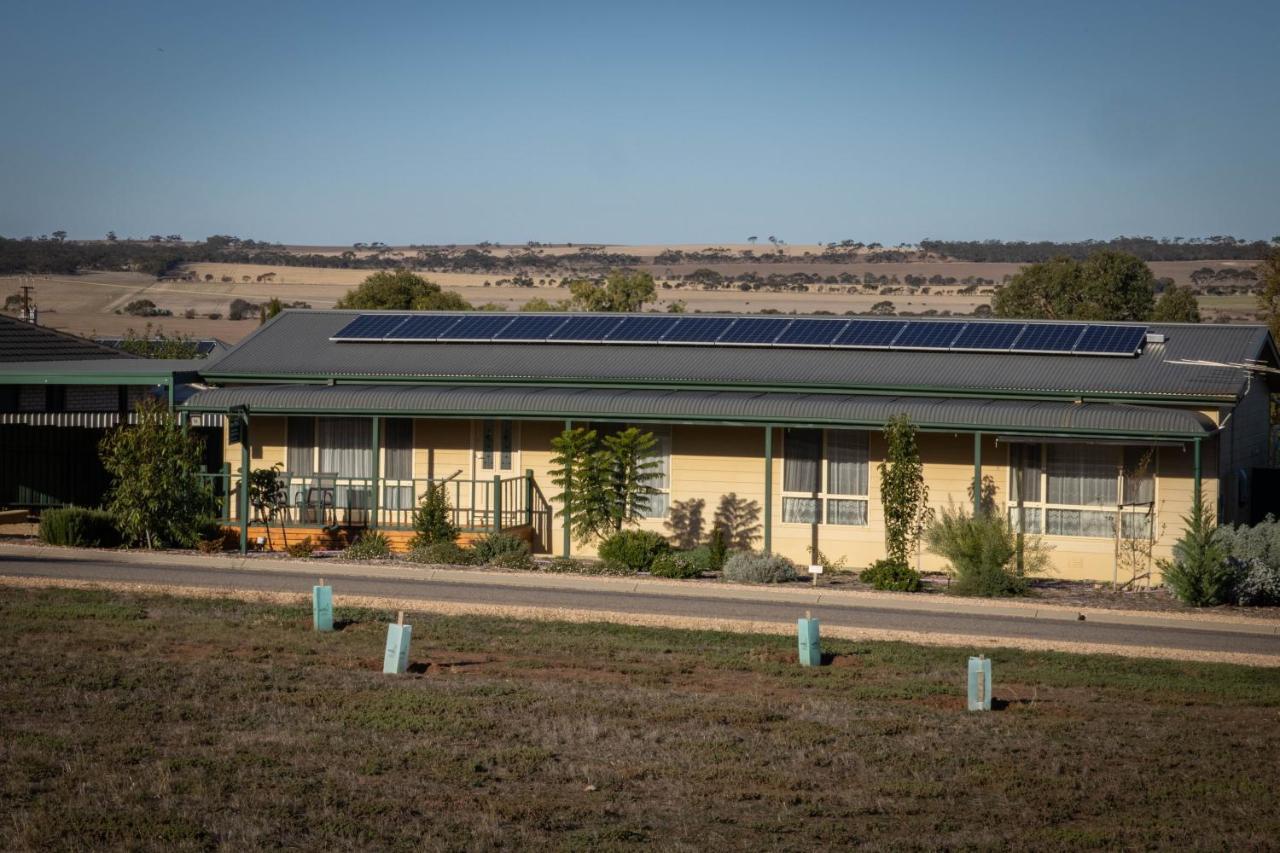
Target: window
[[834, 492], [300, 455], [397, 464], [661, 501], [1082, 487], [495, 451], [346, 446]]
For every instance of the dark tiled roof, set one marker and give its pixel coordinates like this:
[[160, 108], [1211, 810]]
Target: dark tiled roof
[[22, 342], [296, 344]]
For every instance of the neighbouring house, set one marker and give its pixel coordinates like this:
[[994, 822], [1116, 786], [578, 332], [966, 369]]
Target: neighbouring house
[[59, 395], [1094, 435]]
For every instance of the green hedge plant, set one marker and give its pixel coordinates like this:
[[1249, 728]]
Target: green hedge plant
[[679, 566], [79, 527], [371, 545], [502, 550], [983, 553], [892, 576], [634, 550]]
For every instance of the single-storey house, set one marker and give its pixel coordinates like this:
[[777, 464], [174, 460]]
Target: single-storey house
[[59, 394], [1095, 436]]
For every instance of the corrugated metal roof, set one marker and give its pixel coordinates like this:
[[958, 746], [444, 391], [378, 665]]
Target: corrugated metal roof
[[69, 370], [296, 343], [714, 406], [21, 342]]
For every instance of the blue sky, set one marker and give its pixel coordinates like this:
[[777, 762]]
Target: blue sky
[[330, 122]]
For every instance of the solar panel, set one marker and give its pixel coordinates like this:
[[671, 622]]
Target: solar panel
[[697, 330], [874, 334], [640, 330], [755, 330], [422, 327], [1049, 337], [928, 335], [811, 333], [584, 329], [1110, 340], [481, 327], [370, 327], [535, 327], [988, 337]]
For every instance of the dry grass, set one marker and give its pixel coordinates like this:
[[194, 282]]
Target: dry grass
[[159, 722]]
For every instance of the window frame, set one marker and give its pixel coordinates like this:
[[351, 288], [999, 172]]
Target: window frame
[[1042, 506], [823, 495]]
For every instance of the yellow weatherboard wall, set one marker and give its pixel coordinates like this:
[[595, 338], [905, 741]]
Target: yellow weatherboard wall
[[714, 463]]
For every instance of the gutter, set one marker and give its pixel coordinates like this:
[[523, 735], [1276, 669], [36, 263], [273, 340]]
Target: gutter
[[694, 420], [667, 385]]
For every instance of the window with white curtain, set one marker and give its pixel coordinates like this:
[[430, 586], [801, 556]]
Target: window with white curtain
[[397, 464], [660, 501], [824, 476], [346, 446], [1075, 489]]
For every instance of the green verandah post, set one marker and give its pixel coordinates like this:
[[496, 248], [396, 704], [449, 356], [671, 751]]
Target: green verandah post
[[768, 488], [1196, 474], [497, 503], [377, 458], [568, 535], [244, 484], [977, 474], [528, 497]]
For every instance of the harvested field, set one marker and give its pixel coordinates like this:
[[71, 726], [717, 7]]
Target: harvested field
[[161, 722]]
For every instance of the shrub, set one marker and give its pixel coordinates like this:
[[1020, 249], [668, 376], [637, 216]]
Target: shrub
[[889, 575], [570, 566], [79, 528], [1256, 581], [502, 550], [1255, 560], [370, 546], [305, 548], [432, 518], [674, 566], [441, 554], [214, 545], [982, 551], [1199, 573], [157, 496], [752, 567], [717, 550], [634, 550]]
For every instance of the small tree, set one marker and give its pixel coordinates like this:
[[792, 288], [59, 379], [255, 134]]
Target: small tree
[[603, 484], [156, 494], [433, 517], [402, 290], [268, 496], [1199, 573], [903, 491]]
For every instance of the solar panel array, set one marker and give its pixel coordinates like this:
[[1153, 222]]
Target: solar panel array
[[1044, 338]]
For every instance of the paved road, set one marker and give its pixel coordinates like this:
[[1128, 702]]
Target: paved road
[[491, 592]]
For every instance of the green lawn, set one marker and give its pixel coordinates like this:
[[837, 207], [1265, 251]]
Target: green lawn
[[167, 723]]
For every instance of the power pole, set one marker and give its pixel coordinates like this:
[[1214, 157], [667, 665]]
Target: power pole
[[26, 304]]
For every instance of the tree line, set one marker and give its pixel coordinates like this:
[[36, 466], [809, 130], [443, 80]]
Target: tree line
[[1216, 248]]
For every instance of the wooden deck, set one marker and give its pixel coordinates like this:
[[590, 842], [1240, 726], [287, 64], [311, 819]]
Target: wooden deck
[[337, 538]]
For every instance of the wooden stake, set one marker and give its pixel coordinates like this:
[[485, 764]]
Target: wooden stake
[[808, 614], [400, 618], [321, 582]]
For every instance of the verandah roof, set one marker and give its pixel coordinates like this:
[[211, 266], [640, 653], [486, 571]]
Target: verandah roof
[[1029, 417]]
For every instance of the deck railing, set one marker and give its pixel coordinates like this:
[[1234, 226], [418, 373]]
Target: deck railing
[[493, 504]]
